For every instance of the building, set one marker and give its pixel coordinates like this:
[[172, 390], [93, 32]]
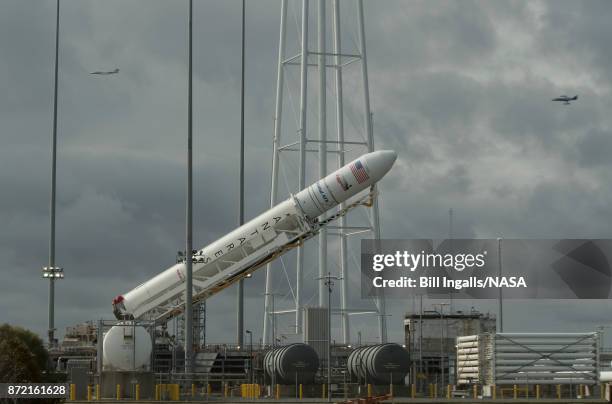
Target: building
[[430, 338]]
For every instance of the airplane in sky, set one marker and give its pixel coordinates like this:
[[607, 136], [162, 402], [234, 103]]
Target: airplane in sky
[[105, 73], [565, 99]]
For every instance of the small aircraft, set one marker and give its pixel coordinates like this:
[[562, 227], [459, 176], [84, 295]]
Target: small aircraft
[[105, 73], [565, 99]]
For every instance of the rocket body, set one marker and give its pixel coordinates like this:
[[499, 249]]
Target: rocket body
[[246, 248], [344, 183]]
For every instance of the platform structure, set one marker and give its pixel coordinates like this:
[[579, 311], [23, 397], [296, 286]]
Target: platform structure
[[309, 137], [199, 328], [199, 325]]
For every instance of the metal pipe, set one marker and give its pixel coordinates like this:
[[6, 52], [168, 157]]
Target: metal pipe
[[189, 218], [133, 345], [275, 154], [99, 350], [337, 48]]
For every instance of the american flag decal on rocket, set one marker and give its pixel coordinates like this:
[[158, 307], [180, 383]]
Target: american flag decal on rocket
[[359, 172]]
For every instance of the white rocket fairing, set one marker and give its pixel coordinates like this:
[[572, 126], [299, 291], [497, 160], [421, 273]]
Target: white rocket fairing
[[258, 241]]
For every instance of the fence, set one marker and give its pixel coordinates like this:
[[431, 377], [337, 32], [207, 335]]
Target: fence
[[349, 391]]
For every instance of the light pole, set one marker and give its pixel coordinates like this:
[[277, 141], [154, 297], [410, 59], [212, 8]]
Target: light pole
[[52, 273], [273, 314], [421, 340], [240, 302], [442, 337], [251, 356], [329, 282], [273, 348], [51, 270], [442, 344], [189, 217], [500, 306]]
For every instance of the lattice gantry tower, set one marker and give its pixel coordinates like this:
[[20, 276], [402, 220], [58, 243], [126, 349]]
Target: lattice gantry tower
[[321, 64]]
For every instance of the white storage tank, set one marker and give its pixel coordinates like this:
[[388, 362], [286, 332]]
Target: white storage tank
[[605, 376], [127, 347]]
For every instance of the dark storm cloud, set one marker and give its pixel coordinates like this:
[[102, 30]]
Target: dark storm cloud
[[120, 193], [460, 89], [578, 32], [595, 148], [463, 33]]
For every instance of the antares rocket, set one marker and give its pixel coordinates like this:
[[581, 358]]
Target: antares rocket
[[255, 243]]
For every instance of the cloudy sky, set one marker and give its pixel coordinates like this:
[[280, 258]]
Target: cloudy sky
[[460, 89]]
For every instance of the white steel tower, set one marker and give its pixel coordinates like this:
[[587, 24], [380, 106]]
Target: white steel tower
[[313, 60]]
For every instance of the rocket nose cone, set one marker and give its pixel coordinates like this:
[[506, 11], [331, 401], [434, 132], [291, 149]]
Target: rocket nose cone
[[380, 162], [388, 155]]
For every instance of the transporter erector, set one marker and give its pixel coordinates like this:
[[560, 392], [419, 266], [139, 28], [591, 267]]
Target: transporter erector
[[257, 242]]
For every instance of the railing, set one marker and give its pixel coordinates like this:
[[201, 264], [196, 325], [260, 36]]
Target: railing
[[199, 387]]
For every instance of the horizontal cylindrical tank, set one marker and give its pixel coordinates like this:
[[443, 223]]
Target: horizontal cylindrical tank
[[127, 347], [379, 364], [295, 363], [605, 376], [528, 358]]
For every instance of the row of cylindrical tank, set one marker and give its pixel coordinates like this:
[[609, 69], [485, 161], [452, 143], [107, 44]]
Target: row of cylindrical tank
[[375, 364], [294, 363], [528, 358]]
